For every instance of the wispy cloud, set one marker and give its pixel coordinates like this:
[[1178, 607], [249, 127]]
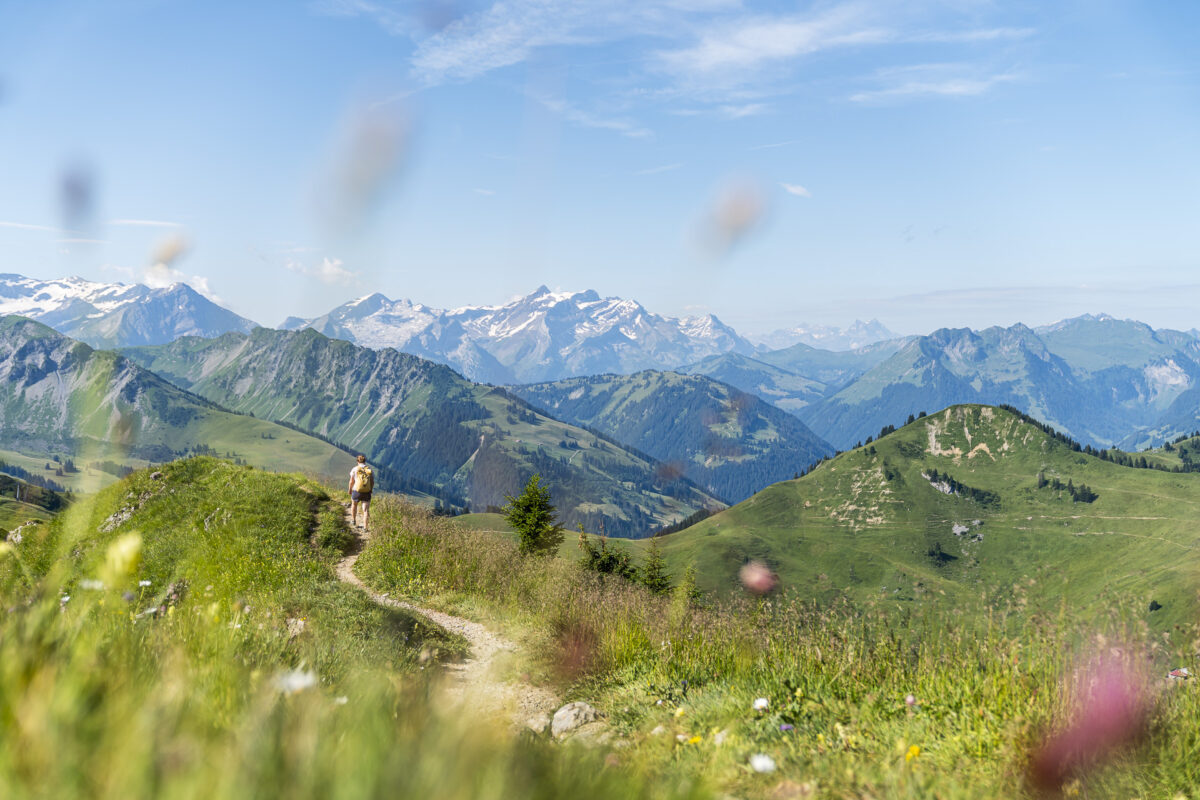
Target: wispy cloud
[[510, 31], [144, 223], [773, 145], [330, 270], [796, 189], [749, 43], [484, 192], [24, 226], [743, 110], [656, 170], [931, 80], [690, 57], [586, 119]]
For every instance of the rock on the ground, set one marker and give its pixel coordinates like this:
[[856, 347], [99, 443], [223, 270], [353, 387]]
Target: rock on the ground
[[538, 723], [572, 716]]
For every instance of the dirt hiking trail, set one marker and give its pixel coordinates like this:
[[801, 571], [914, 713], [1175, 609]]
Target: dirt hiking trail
[[470, 683]]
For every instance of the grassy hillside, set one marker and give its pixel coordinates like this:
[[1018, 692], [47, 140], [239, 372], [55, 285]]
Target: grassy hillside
[[59, 396], [872, 524], [427, 427], [21, 502], [726, 440], [846, 702], [180, 637], [777, 386]]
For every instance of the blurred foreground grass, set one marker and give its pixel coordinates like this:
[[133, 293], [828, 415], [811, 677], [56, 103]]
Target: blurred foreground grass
[[183, 635], [858, 702]]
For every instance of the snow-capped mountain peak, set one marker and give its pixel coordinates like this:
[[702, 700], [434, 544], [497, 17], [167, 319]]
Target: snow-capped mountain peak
[[544, 335], [117, 314]]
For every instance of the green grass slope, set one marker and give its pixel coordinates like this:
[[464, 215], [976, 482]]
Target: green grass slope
[[183, 634], [871, 524], [427, 427], [728, 441], [21, 502], [61, 396]]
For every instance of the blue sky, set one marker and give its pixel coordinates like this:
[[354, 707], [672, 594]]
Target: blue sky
[[926, 163]]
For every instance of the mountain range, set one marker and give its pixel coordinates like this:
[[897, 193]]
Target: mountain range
[[1107, 382], [542, 336], [827, 337], [728, 441], [428, 428], [115, 314], [58, 395]]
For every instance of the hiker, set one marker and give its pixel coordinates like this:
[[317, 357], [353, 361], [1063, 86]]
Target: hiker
[[362, 481]]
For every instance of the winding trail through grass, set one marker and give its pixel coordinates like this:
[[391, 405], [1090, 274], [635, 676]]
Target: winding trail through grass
[[473, 683]]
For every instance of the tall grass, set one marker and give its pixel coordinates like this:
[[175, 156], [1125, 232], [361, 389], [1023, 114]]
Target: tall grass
[[861, 702], [243, 668]]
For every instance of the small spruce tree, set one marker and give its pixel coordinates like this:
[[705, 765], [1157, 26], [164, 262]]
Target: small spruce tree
[[654, 571], [532, 516]]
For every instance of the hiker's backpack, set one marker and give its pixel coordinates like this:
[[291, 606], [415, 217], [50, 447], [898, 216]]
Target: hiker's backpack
[[364, 479]]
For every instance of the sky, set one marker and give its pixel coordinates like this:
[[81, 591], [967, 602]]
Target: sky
[[927, 163]]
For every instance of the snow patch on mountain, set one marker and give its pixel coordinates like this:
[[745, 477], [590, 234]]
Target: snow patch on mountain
[[543, 336], [117, 314]]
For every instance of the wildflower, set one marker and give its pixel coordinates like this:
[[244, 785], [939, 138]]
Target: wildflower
[[910, 700], [719, 737], [761, 762], [762, 704], [679, 712], [122, 556], [143, 584], [785, 727], [694, 740], [91, 584], [341, 701], [66, 598], [295, 681], [912, 753]]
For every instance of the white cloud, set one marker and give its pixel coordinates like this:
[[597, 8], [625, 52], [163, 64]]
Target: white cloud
[[144, 223], [796, 189], [586, 119], [22, 226], [484, 192], [330, 270], [752, 42], [657, 170], [510, 31], [931, 80], [743, 110]]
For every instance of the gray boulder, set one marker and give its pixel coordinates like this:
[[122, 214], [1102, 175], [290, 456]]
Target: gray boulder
[[571, 717]]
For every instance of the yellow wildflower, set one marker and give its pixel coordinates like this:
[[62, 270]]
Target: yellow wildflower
[[694, 740], [912, 753]]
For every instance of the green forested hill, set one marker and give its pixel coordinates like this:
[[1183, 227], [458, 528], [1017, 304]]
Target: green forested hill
[[61, 396], [724, 439], [970, 500], [21, 501], [427, 427]]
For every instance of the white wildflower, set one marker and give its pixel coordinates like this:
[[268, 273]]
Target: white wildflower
[[295, 680], [143, 584], [761, 762], [91, 584], [762, 704]]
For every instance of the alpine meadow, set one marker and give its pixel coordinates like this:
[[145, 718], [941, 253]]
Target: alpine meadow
[[599, 400]]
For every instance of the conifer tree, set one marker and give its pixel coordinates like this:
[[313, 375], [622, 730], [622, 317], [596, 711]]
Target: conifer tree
[[654, 571], [532, 515]]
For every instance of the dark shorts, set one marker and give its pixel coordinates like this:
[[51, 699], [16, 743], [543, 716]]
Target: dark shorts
[[360, 497]]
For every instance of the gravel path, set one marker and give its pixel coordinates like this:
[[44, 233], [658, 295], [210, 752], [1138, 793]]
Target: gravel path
[[472, 682]]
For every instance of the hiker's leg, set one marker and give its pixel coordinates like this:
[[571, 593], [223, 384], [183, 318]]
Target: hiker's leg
[[367, 515], [354, 512]]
